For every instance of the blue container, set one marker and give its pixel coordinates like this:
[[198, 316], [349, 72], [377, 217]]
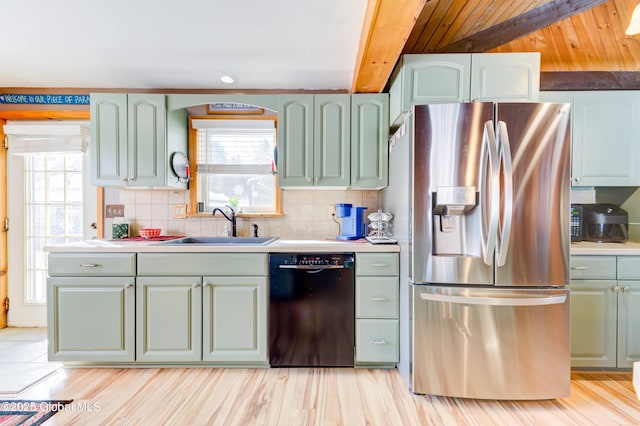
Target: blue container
[[353, 225], [343, 209]]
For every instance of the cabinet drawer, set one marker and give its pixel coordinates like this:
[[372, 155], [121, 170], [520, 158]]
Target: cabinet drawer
[[202, 264], [377, 264], [593, 267], [628, 267], [98, 264], [377, 297], [377, 341]]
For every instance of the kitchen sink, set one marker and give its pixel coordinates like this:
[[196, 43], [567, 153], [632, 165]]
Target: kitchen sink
[[220, 241]]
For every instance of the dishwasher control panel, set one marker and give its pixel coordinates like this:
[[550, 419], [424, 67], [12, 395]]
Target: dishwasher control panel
[[313, 259]]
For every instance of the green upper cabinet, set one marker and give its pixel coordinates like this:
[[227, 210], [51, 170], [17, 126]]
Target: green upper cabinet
[[369, 135], [449, 78], [332, 150], [313, 140], [132, 138], [606, 132], [425, 79], [505, 77]]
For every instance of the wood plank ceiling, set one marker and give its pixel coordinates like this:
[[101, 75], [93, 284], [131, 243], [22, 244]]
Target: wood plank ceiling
[[571, 35]]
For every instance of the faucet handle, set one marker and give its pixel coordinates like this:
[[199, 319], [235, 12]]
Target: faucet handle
[[255, 229]]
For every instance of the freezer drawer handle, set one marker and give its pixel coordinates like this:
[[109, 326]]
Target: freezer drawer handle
[[496, 301]]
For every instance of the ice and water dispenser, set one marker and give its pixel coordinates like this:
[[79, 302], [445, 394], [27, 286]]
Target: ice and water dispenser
[[455, 221]]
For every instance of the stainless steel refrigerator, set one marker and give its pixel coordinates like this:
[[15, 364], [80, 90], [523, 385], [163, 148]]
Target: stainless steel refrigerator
[[481, 196]]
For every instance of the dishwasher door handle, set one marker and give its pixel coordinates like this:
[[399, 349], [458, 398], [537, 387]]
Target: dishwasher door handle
[[312, 267]]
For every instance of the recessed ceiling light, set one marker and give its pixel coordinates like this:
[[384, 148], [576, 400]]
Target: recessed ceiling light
[[227, 79]]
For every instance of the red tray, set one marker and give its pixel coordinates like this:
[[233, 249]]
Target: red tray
[[160, 238]]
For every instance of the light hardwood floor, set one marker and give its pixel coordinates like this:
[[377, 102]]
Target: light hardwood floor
[[305, 396]]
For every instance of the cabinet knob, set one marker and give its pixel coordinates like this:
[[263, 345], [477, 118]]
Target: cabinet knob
[[625, 289], [576, 179], [308, 179], [206, 284], [614, 289], [128, 285], [195, 285]]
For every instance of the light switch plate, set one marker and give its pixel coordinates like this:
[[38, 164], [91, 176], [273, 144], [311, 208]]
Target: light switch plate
[[114, 210]]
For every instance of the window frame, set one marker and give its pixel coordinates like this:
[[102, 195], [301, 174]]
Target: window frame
[[193, 159]]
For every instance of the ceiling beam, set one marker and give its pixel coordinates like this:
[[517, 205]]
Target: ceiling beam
[[385, 30], [519, 26], [590, 80]]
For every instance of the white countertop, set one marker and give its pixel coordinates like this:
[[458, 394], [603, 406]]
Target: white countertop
[[278, 246], [613, 249]]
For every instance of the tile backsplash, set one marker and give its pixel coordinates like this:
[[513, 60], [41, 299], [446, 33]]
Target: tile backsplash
[[306, 213]]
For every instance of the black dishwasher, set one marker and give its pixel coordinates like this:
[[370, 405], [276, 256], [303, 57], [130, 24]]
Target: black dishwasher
[[311, 310]]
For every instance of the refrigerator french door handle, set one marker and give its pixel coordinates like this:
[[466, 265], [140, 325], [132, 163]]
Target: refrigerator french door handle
[[502, 245], [496, 301], [489, 185]]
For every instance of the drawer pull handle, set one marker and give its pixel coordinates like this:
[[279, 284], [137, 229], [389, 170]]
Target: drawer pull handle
[[580, 268], [379, 299], [379, 342], [379, 265], [89, 265]]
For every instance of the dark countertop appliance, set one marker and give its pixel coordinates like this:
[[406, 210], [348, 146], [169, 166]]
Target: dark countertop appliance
[[604, 223], [311, 310]]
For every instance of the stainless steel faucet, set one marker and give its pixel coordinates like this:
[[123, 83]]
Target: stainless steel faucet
[[231, 219]]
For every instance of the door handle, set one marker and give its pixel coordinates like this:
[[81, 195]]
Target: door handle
[[496, 301]]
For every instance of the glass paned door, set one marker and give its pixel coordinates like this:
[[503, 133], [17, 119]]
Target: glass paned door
[[51, 201]]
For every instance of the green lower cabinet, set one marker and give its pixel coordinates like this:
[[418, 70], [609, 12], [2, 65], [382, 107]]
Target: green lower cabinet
[[593, 323], [91, 319], [377, 310], [628, 323], [605, 317], [235, 319], [377, 341], [168, 319]]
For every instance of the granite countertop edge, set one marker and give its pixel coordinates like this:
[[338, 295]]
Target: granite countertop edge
[[605, 249], [278, 246]]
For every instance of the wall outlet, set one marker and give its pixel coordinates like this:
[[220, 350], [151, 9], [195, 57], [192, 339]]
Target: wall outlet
[[332, 211]]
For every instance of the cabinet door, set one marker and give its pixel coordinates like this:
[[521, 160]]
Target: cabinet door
[[606, 129], [332, 135], [377, 341], [441, 78], [168, 319], [235, 319], [505, 77], [369, 141], [108, 139], [91, 319], [147, 150], [593, 323], [295, 140], [628, 323]]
